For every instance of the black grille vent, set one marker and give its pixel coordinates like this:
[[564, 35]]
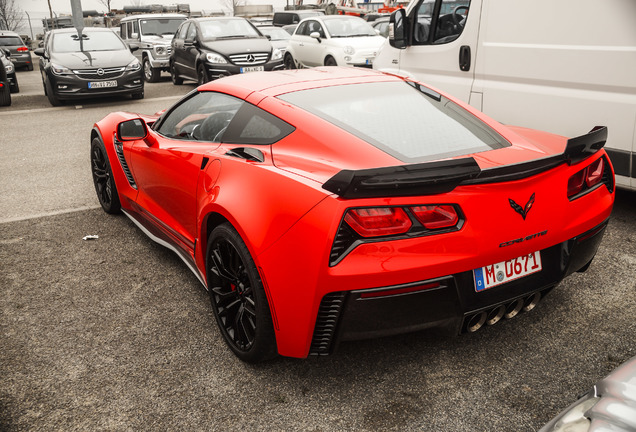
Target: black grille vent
[[99, 74], [608, 178], [326, 323], [344, 239], [119, 149]]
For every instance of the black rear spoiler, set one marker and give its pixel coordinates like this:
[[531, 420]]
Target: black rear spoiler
[[432, 178]]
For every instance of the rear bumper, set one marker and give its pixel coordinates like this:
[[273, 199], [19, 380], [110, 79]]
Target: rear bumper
[[449, 302]]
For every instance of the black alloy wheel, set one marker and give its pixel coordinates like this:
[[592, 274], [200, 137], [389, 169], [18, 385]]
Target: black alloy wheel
[[238, 297], [103, 178]]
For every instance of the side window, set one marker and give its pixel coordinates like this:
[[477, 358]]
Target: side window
[[439, 22], [202, 117], [302, 29], [192, 32], [252, 125], [183, 31], [122, 31], [135, 27], [314, 26]]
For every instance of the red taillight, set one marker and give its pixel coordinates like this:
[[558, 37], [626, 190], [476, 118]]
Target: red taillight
[[436, 216], [586, 178], [23, 49], [378, 221], [594, 173], [576, 183]]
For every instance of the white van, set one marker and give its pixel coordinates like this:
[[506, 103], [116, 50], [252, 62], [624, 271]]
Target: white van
[[560, 66]]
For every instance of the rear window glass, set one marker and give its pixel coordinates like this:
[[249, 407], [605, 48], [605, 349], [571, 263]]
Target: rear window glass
[[10, 41], [409, 122]]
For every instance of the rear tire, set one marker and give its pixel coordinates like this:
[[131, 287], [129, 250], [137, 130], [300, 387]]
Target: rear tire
[[103, 178], [238, 298]]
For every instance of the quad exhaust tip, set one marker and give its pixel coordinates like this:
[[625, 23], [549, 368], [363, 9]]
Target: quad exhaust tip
[[507, 310]]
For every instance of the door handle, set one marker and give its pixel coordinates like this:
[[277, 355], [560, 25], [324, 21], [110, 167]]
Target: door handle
[[464, 58]]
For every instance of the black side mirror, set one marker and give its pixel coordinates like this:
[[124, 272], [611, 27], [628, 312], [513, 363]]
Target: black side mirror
[[39, 52], [6, 52], [188, 43], [133, 47], [398, 29], [132, 130]]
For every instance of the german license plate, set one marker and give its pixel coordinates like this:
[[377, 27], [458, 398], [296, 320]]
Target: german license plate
[[506, 271], [252, 69], [102, 84]]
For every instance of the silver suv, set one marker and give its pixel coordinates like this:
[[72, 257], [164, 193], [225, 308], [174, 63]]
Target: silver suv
[[153, 33]]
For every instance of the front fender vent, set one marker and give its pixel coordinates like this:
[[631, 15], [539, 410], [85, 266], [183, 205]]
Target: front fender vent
[[326, 323], [119, 149]]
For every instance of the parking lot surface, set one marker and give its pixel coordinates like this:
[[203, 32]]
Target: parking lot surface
[[117, 334]]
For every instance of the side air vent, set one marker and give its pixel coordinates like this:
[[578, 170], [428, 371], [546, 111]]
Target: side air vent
[[119, 149], [345, 238], [326, 323]]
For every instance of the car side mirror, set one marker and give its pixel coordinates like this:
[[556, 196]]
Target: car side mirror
[[269, 38], [398, 29], [188, 43], [134, 35], [39, 52], [315, 35], [133, 47], [6, 52], [132, 130]]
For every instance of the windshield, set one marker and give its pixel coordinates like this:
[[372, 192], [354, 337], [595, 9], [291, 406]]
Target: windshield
[[163, 26], [407, 121], [349, 27], [92, 41], [227, 28], [275, 33]]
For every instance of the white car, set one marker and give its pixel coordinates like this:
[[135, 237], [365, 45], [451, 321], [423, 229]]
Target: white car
[[333, 40]]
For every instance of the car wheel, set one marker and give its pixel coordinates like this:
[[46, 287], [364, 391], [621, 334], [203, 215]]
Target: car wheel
[[103, 178], [5, 94], [53, 99], [330, 61], [289, 62], [150, 74], [139, 95], [202, 74], [176, 79], [238, 297]]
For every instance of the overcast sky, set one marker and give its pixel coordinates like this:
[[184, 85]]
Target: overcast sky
[[38, 9]]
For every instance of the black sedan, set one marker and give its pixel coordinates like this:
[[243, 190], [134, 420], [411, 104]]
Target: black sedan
[[99, 64], [208, 48], [9, 70]]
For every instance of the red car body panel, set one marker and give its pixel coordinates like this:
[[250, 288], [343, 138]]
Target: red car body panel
[[289, 222]]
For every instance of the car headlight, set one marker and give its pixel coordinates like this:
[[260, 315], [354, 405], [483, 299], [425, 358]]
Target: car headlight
[[133, 65], [215, 58], [59, 70], [278, 54], [349, 50], [574, 419]]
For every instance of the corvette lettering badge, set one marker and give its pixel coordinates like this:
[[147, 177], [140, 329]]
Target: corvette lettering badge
[[522, 211]]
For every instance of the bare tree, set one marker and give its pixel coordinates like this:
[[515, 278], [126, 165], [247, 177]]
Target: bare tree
[[104, 2], [10, 15]]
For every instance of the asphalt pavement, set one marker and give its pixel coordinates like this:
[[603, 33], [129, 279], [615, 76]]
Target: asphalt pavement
[[117, 334]]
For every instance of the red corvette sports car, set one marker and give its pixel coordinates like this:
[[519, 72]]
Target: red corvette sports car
[[334, 204]]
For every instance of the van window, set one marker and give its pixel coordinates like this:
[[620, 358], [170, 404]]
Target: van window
[[122, 31], [439, 21]]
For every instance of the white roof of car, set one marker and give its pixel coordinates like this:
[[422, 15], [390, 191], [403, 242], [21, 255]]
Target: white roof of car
[[152, 16]]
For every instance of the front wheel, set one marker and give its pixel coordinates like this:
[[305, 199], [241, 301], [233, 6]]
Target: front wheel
[[103, 178], [202, 74], [289, 62], [150, 74], [176, 79], [238, 297], [330, 61], [50, 94]]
